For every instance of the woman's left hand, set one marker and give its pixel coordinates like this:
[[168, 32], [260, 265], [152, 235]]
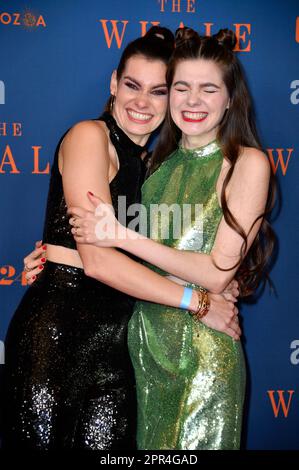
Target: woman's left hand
[[100, 228], [231, 292], [223, 316]]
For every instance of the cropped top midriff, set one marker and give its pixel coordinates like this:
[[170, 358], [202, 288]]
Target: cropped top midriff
[[126, 183]]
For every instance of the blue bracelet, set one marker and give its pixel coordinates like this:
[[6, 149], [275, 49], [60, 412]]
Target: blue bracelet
[[186, 299]]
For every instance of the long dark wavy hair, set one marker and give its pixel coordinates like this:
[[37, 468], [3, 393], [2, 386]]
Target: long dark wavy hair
[[236, 130], [156, 44]]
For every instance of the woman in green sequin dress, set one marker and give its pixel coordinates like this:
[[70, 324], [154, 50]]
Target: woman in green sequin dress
[[190, 378]]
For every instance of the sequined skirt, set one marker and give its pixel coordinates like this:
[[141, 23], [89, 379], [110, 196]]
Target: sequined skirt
[[190, 381], [69, 381]]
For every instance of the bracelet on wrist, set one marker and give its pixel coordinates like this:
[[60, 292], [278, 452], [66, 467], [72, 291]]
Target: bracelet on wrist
[[186, 299], [203, 305]]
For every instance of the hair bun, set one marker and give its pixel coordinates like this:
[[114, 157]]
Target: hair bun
[[226, 38], [183, 35], [162, 34]]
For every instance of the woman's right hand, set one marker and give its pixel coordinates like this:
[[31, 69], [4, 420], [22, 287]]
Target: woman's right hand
[[222, 316], [34, 262]]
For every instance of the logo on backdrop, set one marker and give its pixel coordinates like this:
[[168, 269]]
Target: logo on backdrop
[[9, 275], [281, 402], [2, 92], [28, 19], [176, 6], [280, 158], [294, 97], [294, 357], [8, 160], [115, 30], [297, 29]]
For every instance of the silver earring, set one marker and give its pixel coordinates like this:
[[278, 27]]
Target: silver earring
[[112, 99]]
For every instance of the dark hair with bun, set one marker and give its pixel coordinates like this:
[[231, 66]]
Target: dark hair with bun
[[156, 44], [236, 130], [184, 37], [226, 38]]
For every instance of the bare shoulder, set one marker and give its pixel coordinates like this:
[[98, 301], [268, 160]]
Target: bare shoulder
[[252, 162], [87, 132], [85, 141], [251, 157]]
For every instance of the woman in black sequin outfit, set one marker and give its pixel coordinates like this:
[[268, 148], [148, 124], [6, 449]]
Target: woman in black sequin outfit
[[69, 380]]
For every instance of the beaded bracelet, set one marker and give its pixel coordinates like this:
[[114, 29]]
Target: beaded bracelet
[[203, 304]]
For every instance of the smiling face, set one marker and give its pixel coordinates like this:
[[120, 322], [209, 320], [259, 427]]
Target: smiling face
[[198, 100], [140, 97]]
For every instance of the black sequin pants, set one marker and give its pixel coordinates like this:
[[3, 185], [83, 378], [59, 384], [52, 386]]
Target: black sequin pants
[[69, 382]]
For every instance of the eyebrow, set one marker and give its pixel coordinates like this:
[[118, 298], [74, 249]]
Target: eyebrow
[[160, 85], [202, 85]]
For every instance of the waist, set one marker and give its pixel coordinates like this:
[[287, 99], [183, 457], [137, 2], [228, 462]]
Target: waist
[[63, 255]]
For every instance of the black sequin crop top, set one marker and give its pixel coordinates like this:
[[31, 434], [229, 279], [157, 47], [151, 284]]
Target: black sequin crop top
[[127, 182]]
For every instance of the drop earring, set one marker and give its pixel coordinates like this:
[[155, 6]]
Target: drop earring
[[112, 99]]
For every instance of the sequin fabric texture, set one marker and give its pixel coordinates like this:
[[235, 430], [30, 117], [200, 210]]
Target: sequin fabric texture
[[69, 381], [190, 379]]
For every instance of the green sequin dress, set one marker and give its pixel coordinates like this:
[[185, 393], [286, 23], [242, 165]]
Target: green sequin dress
[[190, 378]]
